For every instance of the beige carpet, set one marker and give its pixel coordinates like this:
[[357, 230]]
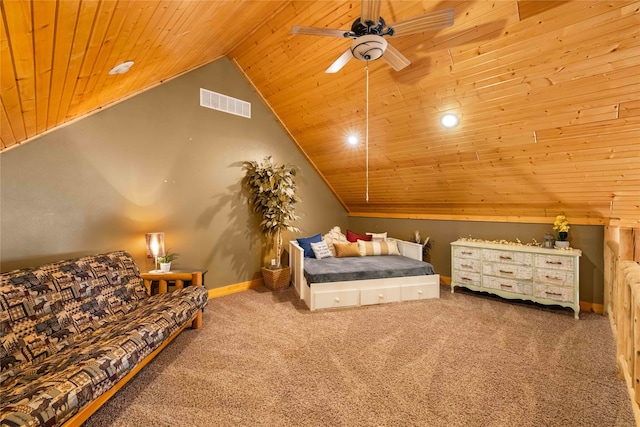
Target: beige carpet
[[465, 359]]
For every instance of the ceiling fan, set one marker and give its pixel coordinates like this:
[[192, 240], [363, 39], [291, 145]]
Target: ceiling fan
[[368, 32]]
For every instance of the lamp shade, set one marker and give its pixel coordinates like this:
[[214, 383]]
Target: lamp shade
[[155, 244]]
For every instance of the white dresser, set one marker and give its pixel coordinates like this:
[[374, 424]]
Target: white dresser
[[546, 276]]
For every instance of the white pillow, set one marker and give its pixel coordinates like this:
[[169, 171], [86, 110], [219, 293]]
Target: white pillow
[[378, 237], [334, 236], [321, 250]]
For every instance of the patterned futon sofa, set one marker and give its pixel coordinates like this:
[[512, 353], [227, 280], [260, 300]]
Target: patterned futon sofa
[[73, 332]]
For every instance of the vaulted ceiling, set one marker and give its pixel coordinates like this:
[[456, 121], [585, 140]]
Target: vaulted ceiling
[[547, 92]]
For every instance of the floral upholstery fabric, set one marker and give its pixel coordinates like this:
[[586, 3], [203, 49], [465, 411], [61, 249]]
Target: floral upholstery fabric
[[71, 330]]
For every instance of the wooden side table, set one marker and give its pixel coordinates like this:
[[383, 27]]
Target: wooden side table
[[178, 277]]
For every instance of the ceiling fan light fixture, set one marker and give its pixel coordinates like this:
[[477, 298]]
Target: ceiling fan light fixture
[[368, 47]]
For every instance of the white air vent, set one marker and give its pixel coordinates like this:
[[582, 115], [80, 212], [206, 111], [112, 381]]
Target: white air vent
[[220, 102]]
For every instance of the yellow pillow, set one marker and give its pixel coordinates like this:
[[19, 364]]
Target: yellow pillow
[[378, 248], [346, 249]]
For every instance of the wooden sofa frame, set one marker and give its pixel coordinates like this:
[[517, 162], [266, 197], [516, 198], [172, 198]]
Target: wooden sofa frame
[[196, 323]]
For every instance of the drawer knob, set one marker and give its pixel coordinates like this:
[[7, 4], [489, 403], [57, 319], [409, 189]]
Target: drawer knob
[[419, 292], [380, 296], [337, 299]]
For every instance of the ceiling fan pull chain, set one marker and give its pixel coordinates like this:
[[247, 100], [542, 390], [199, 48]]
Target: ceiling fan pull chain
[[366, 138]]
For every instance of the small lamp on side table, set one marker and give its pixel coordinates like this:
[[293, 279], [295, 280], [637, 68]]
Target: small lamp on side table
[[155, 247]]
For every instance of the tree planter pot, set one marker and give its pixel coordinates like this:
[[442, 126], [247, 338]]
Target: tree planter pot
[[276, 280]]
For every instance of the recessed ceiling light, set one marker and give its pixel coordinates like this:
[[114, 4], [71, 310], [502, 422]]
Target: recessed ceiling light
[[122, 68], [449, 120], [352, 140]]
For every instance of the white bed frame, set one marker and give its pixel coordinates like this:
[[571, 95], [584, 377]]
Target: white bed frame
[[362, 292]]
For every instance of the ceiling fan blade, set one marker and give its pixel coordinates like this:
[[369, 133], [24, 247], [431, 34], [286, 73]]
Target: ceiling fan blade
[[428, 22], [393, 57], [370, 11], [340, 62], [313, 31]]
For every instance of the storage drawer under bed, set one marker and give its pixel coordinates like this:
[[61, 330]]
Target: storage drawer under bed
[[336, 298], [380, 295]]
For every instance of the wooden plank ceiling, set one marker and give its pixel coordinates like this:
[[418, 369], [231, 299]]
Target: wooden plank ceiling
[[547, 92]]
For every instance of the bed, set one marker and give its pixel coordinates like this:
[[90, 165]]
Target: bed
[[347, 282]]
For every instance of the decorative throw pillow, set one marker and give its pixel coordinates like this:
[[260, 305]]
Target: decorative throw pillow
[[334, 236], [305, 243], [321, 250], [354, 237], [346, 249], [378, 237], [378, 248]]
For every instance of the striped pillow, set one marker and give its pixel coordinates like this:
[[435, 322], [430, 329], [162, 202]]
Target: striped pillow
[[378, 248]]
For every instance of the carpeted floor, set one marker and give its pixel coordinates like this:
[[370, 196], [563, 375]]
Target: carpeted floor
[[465, 359]]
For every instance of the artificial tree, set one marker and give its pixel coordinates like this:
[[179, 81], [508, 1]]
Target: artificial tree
[[271, 191]]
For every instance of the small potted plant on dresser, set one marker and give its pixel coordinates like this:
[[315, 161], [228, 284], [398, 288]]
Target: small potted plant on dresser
[[561, 226], [271, 192]]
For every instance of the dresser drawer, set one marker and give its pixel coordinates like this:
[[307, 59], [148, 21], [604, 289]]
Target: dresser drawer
[[380, 295], [554, 262], [556, 293], [466, 277], [343, 298], [509, 271], [466, 252], [464, 264], [507, 257], [507, 285], [555, 277]]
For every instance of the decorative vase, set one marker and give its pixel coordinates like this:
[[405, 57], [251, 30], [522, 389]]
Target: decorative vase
[[562, 244], [563, 235], [165, 267]]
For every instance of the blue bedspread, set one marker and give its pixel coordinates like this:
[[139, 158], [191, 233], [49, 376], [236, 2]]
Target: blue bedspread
[[363, 268]]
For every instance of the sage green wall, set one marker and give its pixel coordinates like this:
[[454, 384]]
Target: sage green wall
[[155, 162], [589, 239], [160, 162]]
